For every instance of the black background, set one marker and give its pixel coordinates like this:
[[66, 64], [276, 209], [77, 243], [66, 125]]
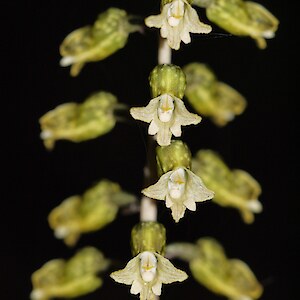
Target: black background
[[259, 141]]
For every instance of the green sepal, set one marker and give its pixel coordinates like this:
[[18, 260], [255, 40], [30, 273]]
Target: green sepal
[[176, 155], [167, 79], [148, 236]]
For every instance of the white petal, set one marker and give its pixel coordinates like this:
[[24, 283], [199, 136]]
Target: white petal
[[164, 134], [167, 273], [182, 116], [147, 113], [158, 20], [153, 128], [185, 36], [178, 210], [156, 288], [136, 287], [192, 22], [190, 204], [129, 273], [176, 130], [67, 61], [169, 201], [196, 190], [158, 190], [254, 206]]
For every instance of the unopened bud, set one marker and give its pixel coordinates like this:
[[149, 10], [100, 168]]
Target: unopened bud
[[167, 79]]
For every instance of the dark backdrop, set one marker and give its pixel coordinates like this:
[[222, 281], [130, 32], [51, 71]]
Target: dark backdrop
[[256, 141]]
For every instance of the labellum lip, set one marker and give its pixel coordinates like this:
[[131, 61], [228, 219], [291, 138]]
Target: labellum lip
[[176, 184], [175, 13], [148, 266], [165, 109]]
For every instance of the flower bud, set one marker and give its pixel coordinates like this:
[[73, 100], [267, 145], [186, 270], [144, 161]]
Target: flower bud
[[75, 277], [243, 18], [231, 278], [233, 188], [176, 155], [94, 43], [94, 210], [148, 236], [167, 79], [210, 97], [79, 122]]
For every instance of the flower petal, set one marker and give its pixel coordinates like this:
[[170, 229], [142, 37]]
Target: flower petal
[[158, 20], [167, 273], [183, 116], [136, 287], [156, 288], [129, 274], [147, 113], [164, 134], [196, 190], [190, 204], [178, 210], [192, 22], [169, 201], [153, 128], [158, 190]]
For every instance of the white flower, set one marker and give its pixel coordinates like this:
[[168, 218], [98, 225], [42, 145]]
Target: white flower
[[166, 114], [177, 20], [146, 272], [180, 189]]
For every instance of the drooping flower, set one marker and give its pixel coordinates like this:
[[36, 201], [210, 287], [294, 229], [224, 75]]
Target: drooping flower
[[210, 97], [92, 211], [233, 188], [108, 34], [210, 266], [79, 122], [146, 273], [242, 18], [166, 114], [77, 276], [181, 189], [176, 20]]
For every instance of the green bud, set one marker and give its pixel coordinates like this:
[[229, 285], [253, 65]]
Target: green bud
[[148, 236], [231, 278], [94, 43], [94, 210], [87, 261], [167, 79], [176, 155], [67, 279], [79, 122], [210, 97], [233, 188], [243, 18]]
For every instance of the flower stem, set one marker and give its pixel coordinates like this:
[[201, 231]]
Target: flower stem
[[148, 210]]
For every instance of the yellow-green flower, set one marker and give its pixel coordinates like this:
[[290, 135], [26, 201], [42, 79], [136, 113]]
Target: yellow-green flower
[[96, 208], [146, 273], [166, 114], [209, 265], [176, 20], [242, 18], [233, 188], [59, 278], [210, 97], [181, 189], [94, 43], [79, 122]]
